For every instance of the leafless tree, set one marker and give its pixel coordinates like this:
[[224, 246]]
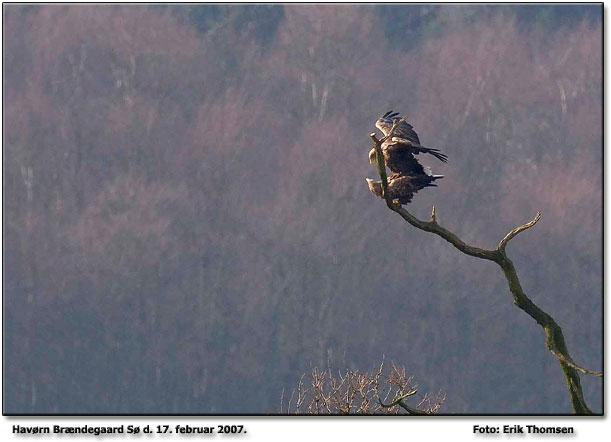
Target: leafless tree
[[359, 392]]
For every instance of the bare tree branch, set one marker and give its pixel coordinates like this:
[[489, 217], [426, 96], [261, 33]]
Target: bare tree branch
[[398, 399], [411, 410], [517, 230], [554, 336]]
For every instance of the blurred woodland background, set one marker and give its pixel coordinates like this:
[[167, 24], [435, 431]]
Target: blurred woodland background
[[187, 227]]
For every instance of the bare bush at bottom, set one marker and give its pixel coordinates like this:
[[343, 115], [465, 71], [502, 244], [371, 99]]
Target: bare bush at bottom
[[358, 392]]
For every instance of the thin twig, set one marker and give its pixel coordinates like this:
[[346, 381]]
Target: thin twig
[[575, 366]]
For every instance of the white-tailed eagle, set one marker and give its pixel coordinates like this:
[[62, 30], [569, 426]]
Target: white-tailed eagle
[[399, 148]]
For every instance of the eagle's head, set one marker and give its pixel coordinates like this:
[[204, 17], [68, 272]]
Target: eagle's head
[[375, 187], [386, 121], [373, 157]]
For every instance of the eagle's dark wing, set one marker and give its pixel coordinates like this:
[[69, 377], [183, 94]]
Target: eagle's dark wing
[[406, 131], [403, 187], [400, 159], [405, 135], [416, 148]]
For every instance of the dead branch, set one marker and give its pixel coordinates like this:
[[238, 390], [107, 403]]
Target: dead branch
[[517, 230], [554, 337]]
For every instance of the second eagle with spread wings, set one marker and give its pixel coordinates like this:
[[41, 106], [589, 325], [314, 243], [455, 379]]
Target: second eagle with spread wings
[[399, 145]]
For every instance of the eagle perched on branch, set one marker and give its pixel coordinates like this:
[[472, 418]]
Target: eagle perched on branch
[[403, 187], [400, 144]]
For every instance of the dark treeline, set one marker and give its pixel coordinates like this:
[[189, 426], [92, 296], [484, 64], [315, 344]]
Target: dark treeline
[[187, 226]]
